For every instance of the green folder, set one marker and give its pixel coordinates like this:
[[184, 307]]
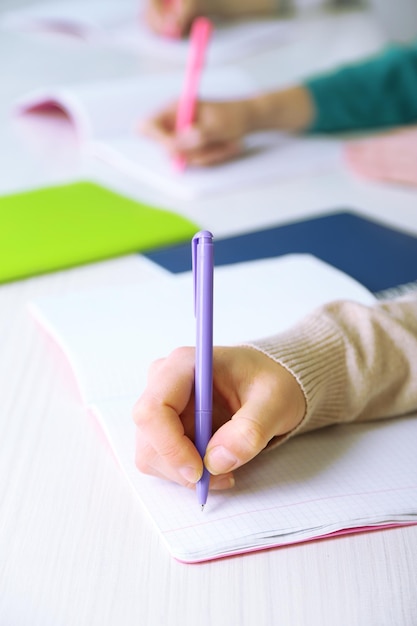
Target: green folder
[[59, 227]]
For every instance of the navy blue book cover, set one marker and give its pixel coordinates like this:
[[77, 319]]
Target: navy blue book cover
[[377, 256]]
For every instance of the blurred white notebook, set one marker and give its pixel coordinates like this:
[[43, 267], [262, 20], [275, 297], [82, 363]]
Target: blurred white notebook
[[120, 24], [337, 480], [106, 116]]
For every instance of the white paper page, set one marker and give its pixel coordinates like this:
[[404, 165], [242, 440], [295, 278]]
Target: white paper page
[[121, 24], [342, 477], [267, 156], [316, 484], [112, 335]]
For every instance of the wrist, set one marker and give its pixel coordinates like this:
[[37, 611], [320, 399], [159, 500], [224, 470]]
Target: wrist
[[313, 351], [290, 109], [238, 8]]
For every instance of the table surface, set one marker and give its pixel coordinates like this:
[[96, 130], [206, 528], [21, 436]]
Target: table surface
[[75, 546]]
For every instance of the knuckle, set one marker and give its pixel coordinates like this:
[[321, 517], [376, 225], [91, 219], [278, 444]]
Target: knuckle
[[170, 451], [155, 366], [253, 435], [142, 410], [183, 353]]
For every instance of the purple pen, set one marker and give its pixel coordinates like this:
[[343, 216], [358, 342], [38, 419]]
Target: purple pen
[[202, 259]]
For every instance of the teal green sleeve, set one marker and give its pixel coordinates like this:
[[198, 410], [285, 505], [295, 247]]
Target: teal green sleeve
[[379, 92]]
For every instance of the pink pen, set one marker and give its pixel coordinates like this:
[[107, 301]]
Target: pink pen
[[199, 38]]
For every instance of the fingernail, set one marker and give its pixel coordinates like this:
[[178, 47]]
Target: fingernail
[[220, 460], [189, 473]]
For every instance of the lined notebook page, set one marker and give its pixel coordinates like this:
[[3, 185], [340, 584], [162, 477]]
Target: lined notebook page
[[343, 477]]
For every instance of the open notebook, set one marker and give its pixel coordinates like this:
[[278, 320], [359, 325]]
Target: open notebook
[[106, 116], [121, 24], [336, 480]]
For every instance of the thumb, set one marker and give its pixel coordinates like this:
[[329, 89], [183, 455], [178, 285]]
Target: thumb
[[242, 438], [272, 404]]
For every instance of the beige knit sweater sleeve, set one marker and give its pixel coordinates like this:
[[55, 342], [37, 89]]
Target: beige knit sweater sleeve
[[353, 362]]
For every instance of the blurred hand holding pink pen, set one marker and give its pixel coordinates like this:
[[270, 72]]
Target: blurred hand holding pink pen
[[199, 38]]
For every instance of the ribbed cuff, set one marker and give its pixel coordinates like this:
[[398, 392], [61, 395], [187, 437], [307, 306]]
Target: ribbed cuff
[[313, 351]]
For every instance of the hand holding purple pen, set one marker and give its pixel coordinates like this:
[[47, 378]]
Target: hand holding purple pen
[[206, 411]]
